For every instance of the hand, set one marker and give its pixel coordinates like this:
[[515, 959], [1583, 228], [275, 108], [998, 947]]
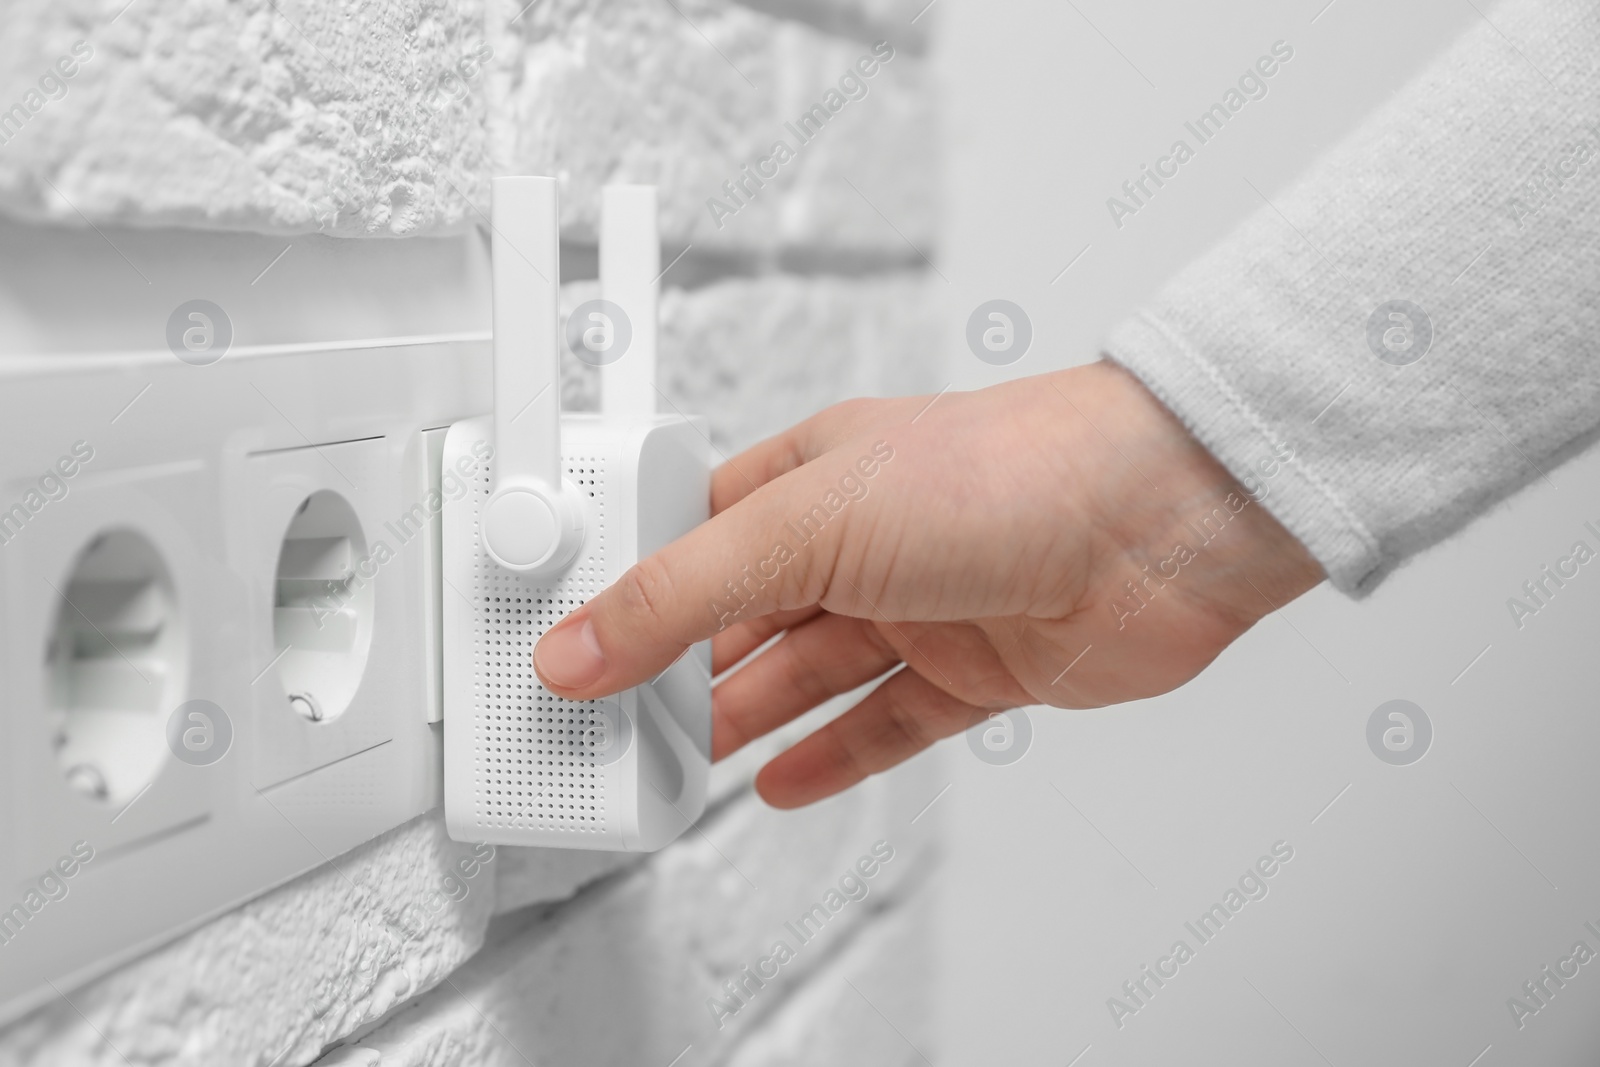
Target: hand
[[1054, 540]]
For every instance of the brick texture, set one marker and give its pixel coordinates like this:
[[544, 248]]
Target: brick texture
[[286, 974], [685, 95], [288, 116], [386, 120], [622, 974], [757, 354]]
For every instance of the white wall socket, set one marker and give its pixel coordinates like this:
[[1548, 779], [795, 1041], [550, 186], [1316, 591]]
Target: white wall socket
[[259, 535]]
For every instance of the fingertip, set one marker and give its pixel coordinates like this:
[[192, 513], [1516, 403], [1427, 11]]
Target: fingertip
[[786, 786], [569, 657]]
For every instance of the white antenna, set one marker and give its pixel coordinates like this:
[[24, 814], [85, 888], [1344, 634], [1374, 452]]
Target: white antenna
[[533, 521], [630, 270]]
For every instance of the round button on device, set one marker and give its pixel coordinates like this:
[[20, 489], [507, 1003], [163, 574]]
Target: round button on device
[[520, 528]]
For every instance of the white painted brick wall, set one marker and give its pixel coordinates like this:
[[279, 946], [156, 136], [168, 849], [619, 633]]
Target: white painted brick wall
[[758, 353], [629, 90], [622, 973], [283, 976], [237, 115], [388, 119], [289, 117]]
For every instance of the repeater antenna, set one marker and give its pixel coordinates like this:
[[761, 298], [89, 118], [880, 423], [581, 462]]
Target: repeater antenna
[[630, 276], [533, 521]]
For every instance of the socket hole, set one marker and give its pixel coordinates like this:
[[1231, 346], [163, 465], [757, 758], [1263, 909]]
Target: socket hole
[[322, 607], [115, 667]]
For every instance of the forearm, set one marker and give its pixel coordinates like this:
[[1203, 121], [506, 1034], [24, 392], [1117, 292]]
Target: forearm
[[1467, 196]]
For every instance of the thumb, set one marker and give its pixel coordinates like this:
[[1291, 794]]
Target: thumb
[[770, 551]]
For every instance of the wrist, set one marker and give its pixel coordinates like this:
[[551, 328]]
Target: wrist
[[1183, 519]]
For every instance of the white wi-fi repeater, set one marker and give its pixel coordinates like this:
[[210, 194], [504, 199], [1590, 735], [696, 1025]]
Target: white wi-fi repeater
[[560, 506]]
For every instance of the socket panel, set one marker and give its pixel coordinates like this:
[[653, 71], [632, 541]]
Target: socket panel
[[247, 534]]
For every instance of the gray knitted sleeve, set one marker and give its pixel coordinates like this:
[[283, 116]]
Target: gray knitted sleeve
[[1415, 321]]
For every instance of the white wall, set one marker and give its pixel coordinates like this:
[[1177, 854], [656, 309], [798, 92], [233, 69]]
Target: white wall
[[1426, 895]]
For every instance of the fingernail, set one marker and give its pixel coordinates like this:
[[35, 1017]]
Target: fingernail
[[570, 656]]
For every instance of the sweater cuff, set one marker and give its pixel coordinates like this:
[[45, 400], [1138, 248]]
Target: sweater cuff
[[1250, 447]]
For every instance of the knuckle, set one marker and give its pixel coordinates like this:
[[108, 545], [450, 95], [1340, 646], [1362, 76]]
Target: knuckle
[[849, 759], [908, 725], [645, 590], [850, 416], [805, 680], [841, 418]]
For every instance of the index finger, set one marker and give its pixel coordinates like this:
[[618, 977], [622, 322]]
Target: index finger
[[738, 566], [801, 443]]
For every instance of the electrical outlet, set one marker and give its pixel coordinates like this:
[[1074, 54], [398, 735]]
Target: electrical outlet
[[220, 621], [103, 604]]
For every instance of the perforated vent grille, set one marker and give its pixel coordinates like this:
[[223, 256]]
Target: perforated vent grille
[[537, 759]]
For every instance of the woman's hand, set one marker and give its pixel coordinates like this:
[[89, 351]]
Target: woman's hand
[[1057, 540]]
